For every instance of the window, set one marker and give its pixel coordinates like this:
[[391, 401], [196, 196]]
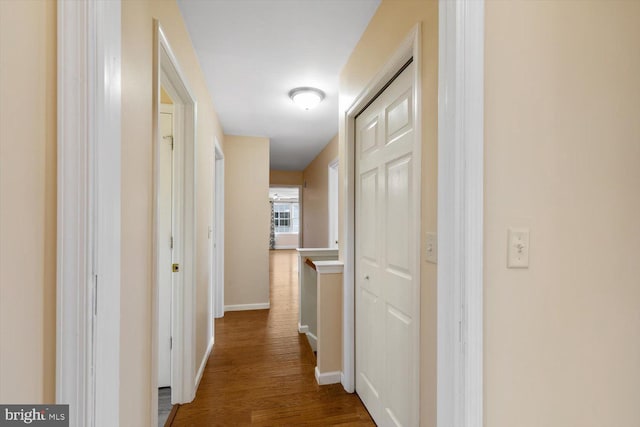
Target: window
[[285, 217], [282, 219]]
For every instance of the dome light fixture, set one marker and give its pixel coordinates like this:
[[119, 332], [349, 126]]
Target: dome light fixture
[[306, 97]]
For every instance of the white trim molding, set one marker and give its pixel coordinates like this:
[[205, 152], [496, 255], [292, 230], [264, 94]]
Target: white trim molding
[[245, 307], [279, 247], [460, 213], [329, 267], [313, 341], [88, 229], [328, 377], [333, 185], [203, 364], [318, 252], [408, 49], [218, 221]]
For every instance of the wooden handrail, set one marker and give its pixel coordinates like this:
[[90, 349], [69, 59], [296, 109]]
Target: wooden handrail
[[310, 263]]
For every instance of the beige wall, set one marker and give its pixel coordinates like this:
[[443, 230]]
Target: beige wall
[[329, 321], [137, 195], [247, 220], [562, 138], [389, 27], [287, 240], [315, 198], [27, 201], [277, 177]]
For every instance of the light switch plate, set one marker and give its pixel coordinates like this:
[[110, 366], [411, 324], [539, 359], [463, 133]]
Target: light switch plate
[[518, 248], [431, 247]]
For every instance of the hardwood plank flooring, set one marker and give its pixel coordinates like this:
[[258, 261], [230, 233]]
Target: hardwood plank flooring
[[261, 371]]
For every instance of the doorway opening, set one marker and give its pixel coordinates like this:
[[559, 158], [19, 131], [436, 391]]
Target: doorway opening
[[286, 218], [173, 311]]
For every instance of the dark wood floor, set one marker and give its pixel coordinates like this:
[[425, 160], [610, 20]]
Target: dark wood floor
[[261, 371]]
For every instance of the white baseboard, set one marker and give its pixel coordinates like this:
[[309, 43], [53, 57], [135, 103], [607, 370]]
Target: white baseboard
[[313, 341], [203, 364], [286, 247], [342, 381], [328, 377], [303, 329], [243, 307]]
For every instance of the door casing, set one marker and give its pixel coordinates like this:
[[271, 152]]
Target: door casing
[[332, 205], [88, 211], [460, 213], [167, 73], [217, 276]]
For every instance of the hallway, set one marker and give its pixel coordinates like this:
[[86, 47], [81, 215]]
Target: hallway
[[261, 371]]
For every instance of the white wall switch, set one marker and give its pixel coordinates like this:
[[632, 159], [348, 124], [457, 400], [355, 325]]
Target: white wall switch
[[431, 247], [518, 248]]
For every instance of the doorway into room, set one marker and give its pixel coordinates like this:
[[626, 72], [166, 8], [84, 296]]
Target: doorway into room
[[174, 305], [286, 208]]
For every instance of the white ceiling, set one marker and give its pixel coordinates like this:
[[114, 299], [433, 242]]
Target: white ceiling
[[253, 52]]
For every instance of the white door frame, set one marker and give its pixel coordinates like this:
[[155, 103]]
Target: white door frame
[[460, 213], [217, 276], [167, 72], [332, 202], [88, 224], [409, 48]]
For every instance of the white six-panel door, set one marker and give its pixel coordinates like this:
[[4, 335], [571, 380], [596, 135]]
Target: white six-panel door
[[386, 269]]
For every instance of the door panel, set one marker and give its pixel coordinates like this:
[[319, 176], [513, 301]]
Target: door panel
[[369, 222], [386, 276], [398, 208], [398, 334], [399, 116], [371, 366], [368, 137]]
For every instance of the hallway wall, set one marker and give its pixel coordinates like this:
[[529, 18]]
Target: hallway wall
[[315, 215], [247, 221], [28, 201], [389, 27], [562, 147], [278, 177], [137, 195]]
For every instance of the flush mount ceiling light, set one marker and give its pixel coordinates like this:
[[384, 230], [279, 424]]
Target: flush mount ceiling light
[[306, 97]]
